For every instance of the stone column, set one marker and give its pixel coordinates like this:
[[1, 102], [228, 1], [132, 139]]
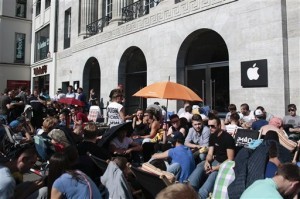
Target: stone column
[[117, 11], [88, 14]]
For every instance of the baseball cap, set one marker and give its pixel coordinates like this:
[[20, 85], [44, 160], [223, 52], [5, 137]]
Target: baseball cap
[[14, 124], [258, 112], [177, 136]]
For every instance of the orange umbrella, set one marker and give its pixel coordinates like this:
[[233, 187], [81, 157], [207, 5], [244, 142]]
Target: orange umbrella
[[168, 90]]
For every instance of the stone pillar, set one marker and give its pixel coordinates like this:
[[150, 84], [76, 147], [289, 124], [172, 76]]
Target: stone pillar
[[88, 14], [117, 11]]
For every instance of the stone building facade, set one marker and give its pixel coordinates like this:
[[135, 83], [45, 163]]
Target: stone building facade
[[15, 38], [208, 45]]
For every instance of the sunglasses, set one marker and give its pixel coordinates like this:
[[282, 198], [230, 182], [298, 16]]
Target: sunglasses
[[212, 126], [291, 110], [175, 121]]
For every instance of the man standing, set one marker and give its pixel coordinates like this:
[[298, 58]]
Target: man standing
[[115, 109], [285, 184], [221, 148], [198, 137], [183, 162]]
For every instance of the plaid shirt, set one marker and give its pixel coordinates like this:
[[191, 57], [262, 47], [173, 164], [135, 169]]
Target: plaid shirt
[[225, 177]]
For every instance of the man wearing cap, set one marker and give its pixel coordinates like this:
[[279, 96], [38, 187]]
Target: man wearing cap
[[259, 120], [285, 184], [183, 163], [293, 120], [19, 134]]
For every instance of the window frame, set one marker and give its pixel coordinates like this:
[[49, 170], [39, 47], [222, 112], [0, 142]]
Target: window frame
[[38, 33], [109, 8], [67, 28], [20, 3], [38, 7], [21, 61]]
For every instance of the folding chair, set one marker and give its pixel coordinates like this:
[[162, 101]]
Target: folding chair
[[151, 183]]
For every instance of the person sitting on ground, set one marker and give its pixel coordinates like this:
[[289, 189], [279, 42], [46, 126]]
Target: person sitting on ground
[[174, 128], [152, 120], [114, 179], [22, 161], [67, 182], [267, 116], [78, 117], [89, 143], [221, 148], [198, 137], [59, 139], [123, 145], [247, 116], [182, 110], [285, 184], [62, 119], [292, 122], [20, 135], [276, 125], [259, 120], [187, 114], [183, 162], [234, 124], [48, 124], [138, 124], [232, 109]]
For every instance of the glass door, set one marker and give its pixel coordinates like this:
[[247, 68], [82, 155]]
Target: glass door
[[211, 83]]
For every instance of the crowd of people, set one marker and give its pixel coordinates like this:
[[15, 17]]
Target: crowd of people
[[194, 145]]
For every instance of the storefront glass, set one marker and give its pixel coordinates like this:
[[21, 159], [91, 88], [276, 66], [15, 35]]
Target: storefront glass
[[41, 44]]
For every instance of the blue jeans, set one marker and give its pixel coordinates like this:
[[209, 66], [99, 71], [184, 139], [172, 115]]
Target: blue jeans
[[198, 176], [174, 168]]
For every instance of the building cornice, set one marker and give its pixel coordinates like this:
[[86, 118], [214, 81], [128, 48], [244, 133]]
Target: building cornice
[[170, 13], [15, 18]]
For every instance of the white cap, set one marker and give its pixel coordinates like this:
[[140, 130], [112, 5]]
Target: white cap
[[258, 112]]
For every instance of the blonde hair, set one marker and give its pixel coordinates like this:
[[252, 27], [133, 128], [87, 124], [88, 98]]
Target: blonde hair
[[177, 191], [49, 123]]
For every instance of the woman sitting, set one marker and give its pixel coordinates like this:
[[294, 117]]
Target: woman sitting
[[65, 182], [175, 127], [138, 124], [123, 145]]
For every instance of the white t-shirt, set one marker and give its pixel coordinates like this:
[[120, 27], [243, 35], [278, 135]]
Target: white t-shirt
[[249, 118], [113, 114]]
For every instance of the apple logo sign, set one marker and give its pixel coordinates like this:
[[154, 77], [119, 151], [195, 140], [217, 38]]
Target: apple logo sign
[[252, 72]]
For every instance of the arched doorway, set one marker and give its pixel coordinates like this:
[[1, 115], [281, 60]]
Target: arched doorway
[[91, 77], [133, 75], [202, 65]]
